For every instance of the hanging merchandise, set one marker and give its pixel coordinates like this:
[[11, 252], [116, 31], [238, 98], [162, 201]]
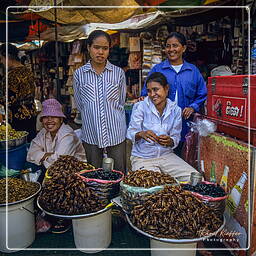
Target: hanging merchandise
[[147, 56], [76, 48], [162, 33], [78, 58], [134, 43], [124, 40], [152, 54], [71, 60], [135, 60]]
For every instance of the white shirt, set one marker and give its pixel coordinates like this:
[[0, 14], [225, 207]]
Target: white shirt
[[146, 117], [100, 99], [65, 142]]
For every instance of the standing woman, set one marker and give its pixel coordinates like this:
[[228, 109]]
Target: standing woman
[[100, 92], [21, 91], [188, 88]]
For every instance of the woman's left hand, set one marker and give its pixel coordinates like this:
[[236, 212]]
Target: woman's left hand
[[165, 140], [187, 112]]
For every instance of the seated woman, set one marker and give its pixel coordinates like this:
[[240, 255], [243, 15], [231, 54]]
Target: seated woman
[[55, 138], [155, 129]]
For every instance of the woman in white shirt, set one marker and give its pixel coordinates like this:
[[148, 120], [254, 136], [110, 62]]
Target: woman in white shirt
[[55, 138], [155, 129]]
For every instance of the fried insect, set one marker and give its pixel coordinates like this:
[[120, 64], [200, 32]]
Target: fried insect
[[147, 179], [68, 163], [174, 213], [67, 194]]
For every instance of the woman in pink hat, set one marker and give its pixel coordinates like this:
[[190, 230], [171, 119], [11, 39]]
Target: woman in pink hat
[[55, 139]]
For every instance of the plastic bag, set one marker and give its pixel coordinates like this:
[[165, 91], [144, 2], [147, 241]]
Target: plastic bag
[[190, 149], [35, 175], [132, 196], [42, 225], [8, 172]]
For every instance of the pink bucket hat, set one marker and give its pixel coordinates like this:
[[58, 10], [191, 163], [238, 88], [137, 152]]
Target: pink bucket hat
[[52, 107]]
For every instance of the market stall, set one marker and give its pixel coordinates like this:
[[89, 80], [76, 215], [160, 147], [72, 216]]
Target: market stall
[[234, 166]]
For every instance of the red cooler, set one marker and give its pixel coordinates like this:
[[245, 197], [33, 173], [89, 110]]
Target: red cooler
[[231, 104]]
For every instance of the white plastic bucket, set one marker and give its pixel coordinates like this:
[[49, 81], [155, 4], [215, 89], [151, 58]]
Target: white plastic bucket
[[94, 233], [171, 248], [20, 228]]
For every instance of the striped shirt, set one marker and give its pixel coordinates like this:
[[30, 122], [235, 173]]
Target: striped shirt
[[100, 100]]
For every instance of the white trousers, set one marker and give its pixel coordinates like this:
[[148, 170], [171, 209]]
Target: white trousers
[[170, 163]]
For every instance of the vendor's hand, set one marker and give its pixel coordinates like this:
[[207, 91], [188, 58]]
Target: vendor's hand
[[165, 140], [187, 112], [141, 98], [148, 136], [46, 155]]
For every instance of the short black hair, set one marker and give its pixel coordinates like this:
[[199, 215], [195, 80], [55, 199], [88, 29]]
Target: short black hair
[[157, 77], [12, 51], [180, 37], [97, 33]]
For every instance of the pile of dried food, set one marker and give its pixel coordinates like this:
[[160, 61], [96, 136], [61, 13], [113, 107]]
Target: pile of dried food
[[68, 163], [205, 189], [67, 194], [137, 185], [211, 194], [12, 134], [105, 183], [176, 214], [17, 189], [102, 175], [147, 179]]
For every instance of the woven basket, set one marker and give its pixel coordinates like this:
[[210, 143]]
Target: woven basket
[[105, 189]]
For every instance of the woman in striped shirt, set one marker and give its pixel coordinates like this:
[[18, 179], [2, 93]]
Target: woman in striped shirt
[[100, 92]]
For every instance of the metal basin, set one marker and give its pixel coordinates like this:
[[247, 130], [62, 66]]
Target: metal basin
[[14, 142]]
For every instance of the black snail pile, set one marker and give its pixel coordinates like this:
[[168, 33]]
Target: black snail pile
[[102, 175], [174, 213], [206, 189]]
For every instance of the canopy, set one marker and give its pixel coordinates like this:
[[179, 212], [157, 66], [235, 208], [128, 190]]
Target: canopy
[[77, 21], [97, 11]]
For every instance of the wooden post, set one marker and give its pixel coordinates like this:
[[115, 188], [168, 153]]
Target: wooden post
[[57, 76]]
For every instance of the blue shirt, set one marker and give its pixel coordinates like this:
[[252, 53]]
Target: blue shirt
[[189, 84], [146, 117], [100, 99]]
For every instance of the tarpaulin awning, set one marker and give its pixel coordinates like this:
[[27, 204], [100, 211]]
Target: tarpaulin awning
[[100, 10], [77, 22]]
